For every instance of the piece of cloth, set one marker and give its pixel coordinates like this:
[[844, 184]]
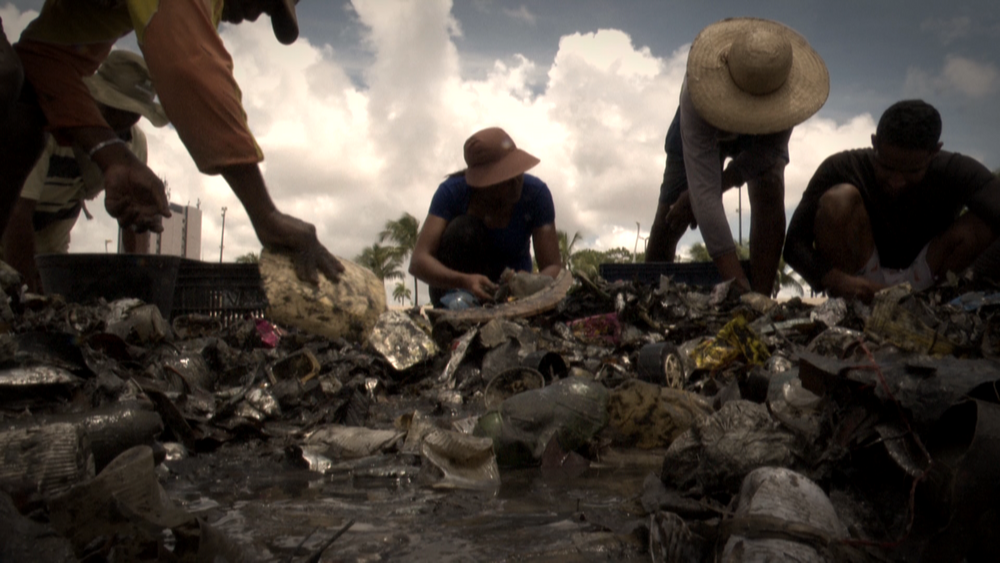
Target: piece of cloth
[[64, 177], [512, 244], [901, 227], [190, 67], [918, 274], [703, 149]]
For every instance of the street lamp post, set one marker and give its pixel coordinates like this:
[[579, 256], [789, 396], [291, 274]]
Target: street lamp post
[[635, 249], [223, 239]]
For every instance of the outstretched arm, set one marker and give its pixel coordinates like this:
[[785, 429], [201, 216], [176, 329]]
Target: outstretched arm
[[278, 231]]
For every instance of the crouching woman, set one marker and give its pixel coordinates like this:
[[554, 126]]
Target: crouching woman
[[484, 219]]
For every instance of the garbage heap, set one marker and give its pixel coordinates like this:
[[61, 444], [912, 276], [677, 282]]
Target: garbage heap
[[831, 432]]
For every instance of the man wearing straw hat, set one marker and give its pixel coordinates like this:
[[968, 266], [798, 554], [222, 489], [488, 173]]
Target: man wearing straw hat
[[64, 177], [193, 73], [749, 82]]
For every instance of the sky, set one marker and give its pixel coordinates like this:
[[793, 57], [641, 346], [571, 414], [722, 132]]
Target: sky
[[365, 114]]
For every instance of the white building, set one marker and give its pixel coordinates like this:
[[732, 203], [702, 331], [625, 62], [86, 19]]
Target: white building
[[181, 234]]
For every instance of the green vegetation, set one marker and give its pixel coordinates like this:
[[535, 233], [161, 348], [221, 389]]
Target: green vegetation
[[402, 233], [401, 293], [384, 261]]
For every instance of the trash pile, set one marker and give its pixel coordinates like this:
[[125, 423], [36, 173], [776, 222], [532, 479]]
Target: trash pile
[[725, 427]]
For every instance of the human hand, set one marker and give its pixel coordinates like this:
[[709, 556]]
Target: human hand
[[284, 233], [480, 286], [681, 216], [839, 284], [135, 196]]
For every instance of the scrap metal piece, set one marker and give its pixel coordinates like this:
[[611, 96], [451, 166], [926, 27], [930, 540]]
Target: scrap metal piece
[[37, 376], [402, 342], [111, 429], [540, 302], [446, 380], [301, 365], [831, 312], [264, 401], [900, 326], [337, 442]]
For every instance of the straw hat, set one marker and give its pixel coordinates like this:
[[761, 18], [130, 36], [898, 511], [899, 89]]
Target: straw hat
[[755, 76], [492, 157], [123, 82]]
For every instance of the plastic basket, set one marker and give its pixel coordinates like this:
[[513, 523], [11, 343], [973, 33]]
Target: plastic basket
[[82, 278], [702, 274], [226, 291]]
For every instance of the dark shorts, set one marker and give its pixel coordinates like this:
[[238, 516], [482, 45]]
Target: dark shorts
[[674, 176]]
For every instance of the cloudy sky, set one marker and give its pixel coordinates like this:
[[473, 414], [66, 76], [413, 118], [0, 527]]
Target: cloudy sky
[[362, 117]]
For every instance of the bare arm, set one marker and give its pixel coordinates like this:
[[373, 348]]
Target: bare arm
[[546, 243], [427, 268], [278, 231]]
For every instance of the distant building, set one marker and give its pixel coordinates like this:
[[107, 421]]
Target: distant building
[[181, 234]]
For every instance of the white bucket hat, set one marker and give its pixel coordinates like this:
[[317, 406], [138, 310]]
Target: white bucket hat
[[755, 76], [123, 82]]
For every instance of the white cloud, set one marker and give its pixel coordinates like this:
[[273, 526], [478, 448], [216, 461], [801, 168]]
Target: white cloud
[[948, 30], [347, 159], [14, 21], [959, 75], [522, 13]]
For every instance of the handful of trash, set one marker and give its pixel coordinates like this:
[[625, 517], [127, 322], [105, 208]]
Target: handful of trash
[[518, 285]]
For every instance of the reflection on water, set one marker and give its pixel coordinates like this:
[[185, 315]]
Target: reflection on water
[[258, 498]]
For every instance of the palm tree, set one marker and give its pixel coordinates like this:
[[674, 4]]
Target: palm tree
[[383, 261], [403, 234], [566, 248], [401, 293]]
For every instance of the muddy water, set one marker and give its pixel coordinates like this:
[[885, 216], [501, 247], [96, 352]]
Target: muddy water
[[258, 498]]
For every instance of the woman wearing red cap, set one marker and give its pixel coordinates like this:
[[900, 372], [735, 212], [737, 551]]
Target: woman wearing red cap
[[483, 220]]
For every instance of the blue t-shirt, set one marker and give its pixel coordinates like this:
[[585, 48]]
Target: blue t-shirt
[[513, 242]]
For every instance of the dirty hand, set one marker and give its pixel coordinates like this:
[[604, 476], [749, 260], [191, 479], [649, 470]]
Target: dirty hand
[[284, 233], [480, 286], [681, 216], [135, 196], [852, 287]]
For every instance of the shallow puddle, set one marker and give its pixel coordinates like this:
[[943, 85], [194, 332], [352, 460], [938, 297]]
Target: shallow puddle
[[260, 500]]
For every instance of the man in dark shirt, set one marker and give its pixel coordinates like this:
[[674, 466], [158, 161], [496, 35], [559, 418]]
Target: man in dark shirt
[[894, 213]]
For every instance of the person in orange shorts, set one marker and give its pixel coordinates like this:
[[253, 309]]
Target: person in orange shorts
[[193, 76]]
